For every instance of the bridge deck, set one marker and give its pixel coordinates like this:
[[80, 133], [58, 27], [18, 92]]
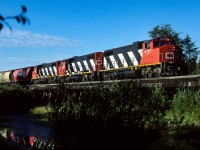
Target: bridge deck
[[175, 81]]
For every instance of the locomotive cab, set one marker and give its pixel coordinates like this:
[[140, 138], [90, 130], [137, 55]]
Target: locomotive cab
[[61, 67], [34, 73], [160, 56], [157, 50]]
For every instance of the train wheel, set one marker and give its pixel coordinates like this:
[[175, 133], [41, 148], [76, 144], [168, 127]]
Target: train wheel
[[157, 72], [177, 71], [150, 73], [49, 81], [144, 72]]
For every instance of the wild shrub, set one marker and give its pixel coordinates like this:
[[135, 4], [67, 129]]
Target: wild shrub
[[111, 117], [185, 109], [14, 98], [123, 100]]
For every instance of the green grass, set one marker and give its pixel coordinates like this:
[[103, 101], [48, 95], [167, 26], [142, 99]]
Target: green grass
[[40, 111]]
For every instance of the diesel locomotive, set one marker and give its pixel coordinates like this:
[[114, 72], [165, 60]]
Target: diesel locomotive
[[142, 59]]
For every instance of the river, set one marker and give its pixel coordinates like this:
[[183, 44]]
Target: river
[[21, 126]]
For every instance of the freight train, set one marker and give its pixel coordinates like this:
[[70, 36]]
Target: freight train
[[147, 59]]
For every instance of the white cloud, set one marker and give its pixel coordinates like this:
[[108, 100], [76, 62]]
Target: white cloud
[[20, 38]]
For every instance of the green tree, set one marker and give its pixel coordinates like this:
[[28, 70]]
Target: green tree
[[165, 30], [20, 18], [190, 54]]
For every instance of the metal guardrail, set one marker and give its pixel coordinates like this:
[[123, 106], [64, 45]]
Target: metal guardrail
[[175, 81]]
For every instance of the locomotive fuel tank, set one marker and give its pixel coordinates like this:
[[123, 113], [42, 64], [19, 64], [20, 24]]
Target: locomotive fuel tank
[[125, 74]]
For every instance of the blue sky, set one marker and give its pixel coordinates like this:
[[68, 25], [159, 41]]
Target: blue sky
[[61, 29]]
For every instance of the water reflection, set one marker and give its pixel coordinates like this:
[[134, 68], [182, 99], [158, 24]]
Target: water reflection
[[25, 132], [24, 125]]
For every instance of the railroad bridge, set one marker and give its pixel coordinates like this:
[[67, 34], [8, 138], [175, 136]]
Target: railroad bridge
[[167, 82]]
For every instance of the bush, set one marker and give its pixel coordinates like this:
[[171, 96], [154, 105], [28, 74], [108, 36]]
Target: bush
[[185, 109], [115, 117], [15, 98]]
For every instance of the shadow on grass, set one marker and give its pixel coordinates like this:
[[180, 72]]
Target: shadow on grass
[[184, 138], [88, 134]]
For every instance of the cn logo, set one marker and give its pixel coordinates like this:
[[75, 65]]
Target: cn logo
[[98, 62], [169, 55]]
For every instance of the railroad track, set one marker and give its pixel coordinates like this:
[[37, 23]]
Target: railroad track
[[174, 81]]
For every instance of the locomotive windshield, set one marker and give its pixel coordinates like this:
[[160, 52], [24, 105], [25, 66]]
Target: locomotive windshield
[[161, 42]]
